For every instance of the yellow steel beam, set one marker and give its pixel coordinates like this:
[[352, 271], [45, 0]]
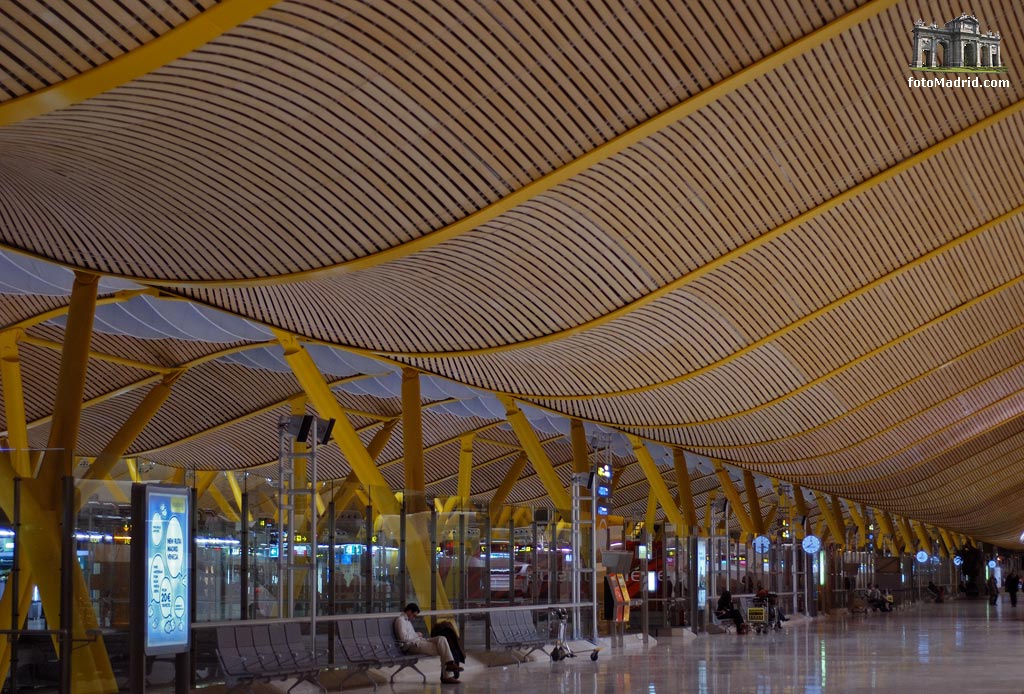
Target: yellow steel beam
[[133, 469], [236, 492], [465, 475], [320, 395], [42, 556], [535, 451], [453, 439], [70, 382], [684, 491], [887, 526], [383, 499], [834, 524], [733, 495], [465, 467], [659, 489], [580, 449], [43, 316], [412, 441], [155, 53], [509, 481], [349, 489], [922, 536], [14, 401], [947, 537], [652, 512], [204, 478], [224, 505], [100, 356], [906, 534], [523, 515], [132, 427], [858, 520], [499, 444], [837, 510], [757, 520]]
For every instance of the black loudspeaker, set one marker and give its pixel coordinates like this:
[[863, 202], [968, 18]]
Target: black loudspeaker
[[326, 427], [304, 426]]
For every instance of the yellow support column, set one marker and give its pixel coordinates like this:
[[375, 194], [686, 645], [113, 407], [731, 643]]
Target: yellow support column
[[922, 536], [733, 495], [887, 527], [204, 478], [359, 458], [946, 537], [652, 512], [41, 500], [412, 441], [580, 449], [858, 520], [834, 525], [535, 451], [132, 427], [837, 509], [14, 401], [461, 498], [684, 491], [754, 502], [659, 490], [320, 395], [905, 533], [511, 477]]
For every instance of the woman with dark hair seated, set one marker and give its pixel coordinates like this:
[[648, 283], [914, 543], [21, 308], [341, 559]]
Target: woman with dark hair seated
[[726, 610]]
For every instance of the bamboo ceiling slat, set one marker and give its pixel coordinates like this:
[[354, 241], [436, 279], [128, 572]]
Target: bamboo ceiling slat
[[814, 275], [49, 41]]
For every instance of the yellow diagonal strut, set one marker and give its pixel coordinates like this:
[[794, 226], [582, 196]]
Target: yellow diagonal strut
[[383, 499], [41, 500]]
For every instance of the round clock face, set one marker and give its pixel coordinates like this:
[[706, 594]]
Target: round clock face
[[922, 557], [762, 544], [958, 560], [811, 544]]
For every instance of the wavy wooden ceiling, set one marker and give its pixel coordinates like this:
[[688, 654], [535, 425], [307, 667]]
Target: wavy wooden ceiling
[[728, 227]]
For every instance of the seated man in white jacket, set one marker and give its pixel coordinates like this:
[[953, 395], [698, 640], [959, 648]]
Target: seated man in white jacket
[[414, 642]]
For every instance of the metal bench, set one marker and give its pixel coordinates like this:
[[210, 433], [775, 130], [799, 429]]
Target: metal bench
[[250, 653], [370, 644], [515, 631]]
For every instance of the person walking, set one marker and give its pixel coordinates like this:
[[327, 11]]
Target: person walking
[[1012, 584], [993, 590], [414, 642]]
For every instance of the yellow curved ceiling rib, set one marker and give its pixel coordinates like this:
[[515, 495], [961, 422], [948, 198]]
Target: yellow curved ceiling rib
[[902, 470], [115, 298], [845, 367], [595, 156], [875, 463], [154, 54], [738, 252], [882, 396]]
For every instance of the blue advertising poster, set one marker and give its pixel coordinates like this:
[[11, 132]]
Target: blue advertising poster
[[167, 555]]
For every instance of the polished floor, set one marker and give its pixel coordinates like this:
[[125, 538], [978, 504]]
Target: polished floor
[[962, 647]]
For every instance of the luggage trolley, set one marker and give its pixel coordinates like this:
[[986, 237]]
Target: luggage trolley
[[757, 615], [764, 615], [562, 650]]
